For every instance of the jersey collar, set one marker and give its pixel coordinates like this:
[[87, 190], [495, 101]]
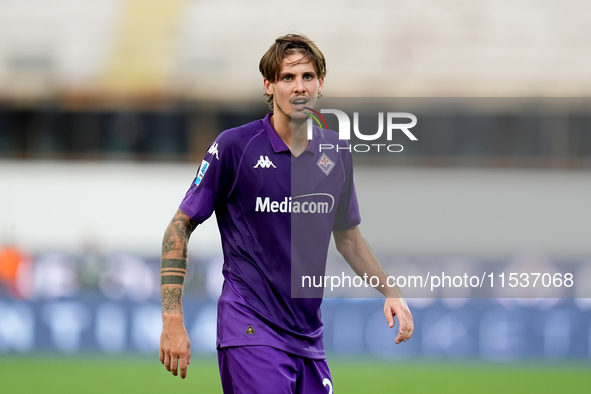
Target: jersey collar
[[276, 141]]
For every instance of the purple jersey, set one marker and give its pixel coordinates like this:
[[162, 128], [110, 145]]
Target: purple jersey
[[274, 210]]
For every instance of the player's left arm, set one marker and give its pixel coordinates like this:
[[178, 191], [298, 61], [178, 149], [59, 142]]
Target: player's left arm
[[361, 258]]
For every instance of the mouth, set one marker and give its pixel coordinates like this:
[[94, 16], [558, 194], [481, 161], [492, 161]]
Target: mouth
[[299, 101]]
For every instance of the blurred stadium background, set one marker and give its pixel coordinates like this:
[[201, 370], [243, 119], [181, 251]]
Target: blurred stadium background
[[106, 108]]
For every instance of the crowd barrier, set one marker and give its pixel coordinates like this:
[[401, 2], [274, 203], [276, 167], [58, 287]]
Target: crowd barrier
[[492, 329]]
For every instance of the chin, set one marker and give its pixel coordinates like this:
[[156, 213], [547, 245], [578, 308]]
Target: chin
[[298, 121], [299, 117]]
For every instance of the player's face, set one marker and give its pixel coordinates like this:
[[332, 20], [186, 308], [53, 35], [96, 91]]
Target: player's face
[[296, 87]]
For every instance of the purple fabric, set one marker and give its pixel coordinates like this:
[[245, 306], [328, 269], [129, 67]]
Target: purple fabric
[[263, 369], [250, 179]]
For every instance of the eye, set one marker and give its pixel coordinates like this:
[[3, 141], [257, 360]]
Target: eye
[[287, 78], [308, 77]]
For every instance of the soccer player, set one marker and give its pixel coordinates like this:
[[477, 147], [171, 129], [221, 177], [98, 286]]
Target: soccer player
[[266, 183]]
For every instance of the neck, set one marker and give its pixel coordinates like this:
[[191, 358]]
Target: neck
[[294, 135]]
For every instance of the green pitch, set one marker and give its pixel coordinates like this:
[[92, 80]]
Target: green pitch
[[101, 375]]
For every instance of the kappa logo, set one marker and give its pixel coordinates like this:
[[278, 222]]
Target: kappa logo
[[264, 163], [325, 164], [213, 150]]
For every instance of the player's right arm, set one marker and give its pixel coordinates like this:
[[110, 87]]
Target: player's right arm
[[175, 348]]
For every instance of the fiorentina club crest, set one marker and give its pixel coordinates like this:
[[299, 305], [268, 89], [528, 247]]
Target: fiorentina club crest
[[325, 164]]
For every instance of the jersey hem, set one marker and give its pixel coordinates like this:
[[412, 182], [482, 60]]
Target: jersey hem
[[347, 226], [189, 212], [317, 355]]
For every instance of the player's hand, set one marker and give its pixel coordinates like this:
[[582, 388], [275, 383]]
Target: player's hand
[[175, 347], [398, 307]]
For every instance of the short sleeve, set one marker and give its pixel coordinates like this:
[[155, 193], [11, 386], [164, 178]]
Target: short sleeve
[[211, 183], [347, 214]]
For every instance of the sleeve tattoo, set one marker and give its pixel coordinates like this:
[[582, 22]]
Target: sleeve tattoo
[[171, 298], [173, 271], [173, 267]]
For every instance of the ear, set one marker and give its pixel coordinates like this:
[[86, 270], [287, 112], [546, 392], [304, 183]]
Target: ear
[[268, 86], [320, 85]]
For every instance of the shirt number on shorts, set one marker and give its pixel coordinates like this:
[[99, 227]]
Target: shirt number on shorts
[[327, 382]]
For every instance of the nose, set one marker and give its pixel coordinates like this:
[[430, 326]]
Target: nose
[[299, 88]]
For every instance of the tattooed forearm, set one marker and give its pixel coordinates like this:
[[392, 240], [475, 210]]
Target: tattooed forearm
[[174, 261], [174, 264], [176, 237], [173, 271], [171, 299], [167, 244]]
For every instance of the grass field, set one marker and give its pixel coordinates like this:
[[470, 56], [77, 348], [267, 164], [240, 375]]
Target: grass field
[[65, 375]]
